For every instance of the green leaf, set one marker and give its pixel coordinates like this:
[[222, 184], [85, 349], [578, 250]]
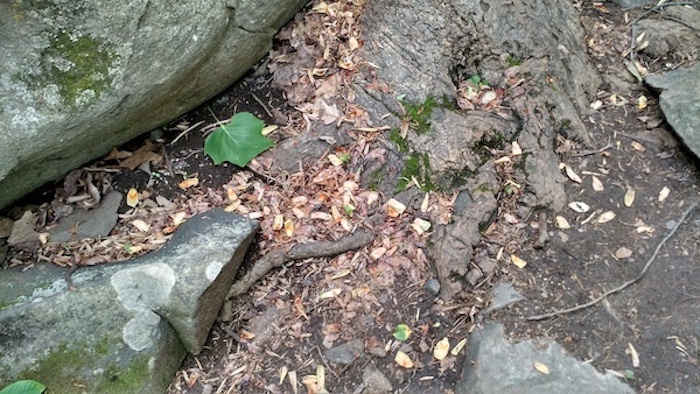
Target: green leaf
[[24, 387], [238, 142], [402, 332]]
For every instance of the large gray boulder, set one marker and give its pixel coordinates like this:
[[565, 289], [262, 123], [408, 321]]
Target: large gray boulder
[[124, 327], [81, 77], [494, 365], [680, 102]]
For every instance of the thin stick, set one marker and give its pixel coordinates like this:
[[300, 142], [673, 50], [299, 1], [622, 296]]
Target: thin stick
[[626, 284], [185, 132], [262, 104]]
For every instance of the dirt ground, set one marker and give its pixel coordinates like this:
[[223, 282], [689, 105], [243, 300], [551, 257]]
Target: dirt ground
[[283, 326]]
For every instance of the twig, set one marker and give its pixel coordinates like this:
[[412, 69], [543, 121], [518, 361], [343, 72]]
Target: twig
[[187, 130], [595, 152], [277, 258], [626, 284], [263, 105]]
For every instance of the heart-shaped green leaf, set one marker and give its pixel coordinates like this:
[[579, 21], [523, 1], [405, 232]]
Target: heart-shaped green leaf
[[24, 387], [239, 141]]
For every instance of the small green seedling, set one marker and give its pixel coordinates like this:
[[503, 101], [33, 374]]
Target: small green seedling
[[402, 332]]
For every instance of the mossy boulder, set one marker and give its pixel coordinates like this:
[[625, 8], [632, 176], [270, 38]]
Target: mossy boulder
[[82, 77], [123, 327]]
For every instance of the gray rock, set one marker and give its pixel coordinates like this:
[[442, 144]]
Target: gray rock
[[5, 227], [346, 353], [95, 223], [125, 327], [680, 102], [82, 77], [432, 285], [634, 3], [503, 294], [494, 365], [375, 381], [678, 33]]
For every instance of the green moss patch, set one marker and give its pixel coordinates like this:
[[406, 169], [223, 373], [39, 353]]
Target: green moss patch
[[78, 65]]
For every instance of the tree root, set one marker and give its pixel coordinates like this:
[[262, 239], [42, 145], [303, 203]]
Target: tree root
[[277, 258]]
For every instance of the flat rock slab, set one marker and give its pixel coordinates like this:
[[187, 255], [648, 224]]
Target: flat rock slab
[[123, 327], [680, 102], [94, 223], [494, 365]]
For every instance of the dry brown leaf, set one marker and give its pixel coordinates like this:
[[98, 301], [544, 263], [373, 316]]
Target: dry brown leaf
[[520, 263], [663, 194], [377, 253], [623, 253], [335, 160], [633, 355], [179, 217], [572, 175], [332, 293], [637, 146], [458, 347], [606, 217], [629, 197], [541, 368], [597, 184], [188, 183], [403, 360], [424, 204], [141, 225], [299, 306], [132, 198], [580, 207], [278, 222], [420, 226], [516, 150], [289, 227], [394, 208], [321, 215], [231, 194], [562, 223], [441, 349]]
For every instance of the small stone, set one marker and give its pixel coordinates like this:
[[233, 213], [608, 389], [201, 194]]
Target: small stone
[[5, 227], [375, 381], [377, 351], [503, 295], [473, 276], [346, 353], [432, 286], [423, 346], [487, 266]]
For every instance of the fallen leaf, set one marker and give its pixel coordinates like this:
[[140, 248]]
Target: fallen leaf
[[335, 160], [596, 105], [424, 204], [141, 225], [420, 226], [403, 360], [330, 294], [231, 194], [394, 208], [504, 159], [606, 217], [269, 129], [132, 198], [572, 175], [299, 306], [402, 332], [633, 354], [178, 217], [663, 194], [629, 197], [516, 150], [188, 183], [441, 349], [580, 207], [278, 222], [458, 347], [623, 253], [321, 215], [642, 102], [541, 368], [377, 253], [562, 223], [520, 263], [597, 184], [637, 146], [289, 227]]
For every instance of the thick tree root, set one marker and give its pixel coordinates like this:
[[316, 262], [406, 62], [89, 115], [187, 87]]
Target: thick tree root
[[276, 258]]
